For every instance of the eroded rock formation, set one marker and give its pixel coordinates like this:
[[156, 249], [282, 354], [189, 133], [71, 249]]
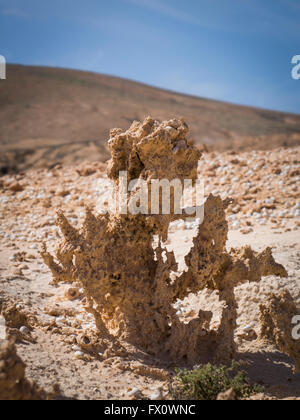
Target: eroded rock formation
[[276, 325], [128, 284], [13, 384]]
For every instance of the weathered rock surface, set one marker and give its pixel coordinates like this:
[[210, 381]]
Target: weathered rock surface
[[13, 384], [276, 325], [128, 284]]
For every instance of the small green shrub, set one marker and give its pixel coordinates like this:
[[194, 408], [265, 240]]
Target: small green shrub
[[208, 381]]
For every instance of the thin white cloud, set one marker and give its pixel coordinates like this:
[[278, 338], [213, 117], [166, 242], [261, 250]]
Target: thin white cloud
[[167, 10], [250, 16]]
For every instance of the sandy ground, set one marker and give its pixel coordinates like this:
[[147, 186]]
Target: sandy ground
[[52, 357]]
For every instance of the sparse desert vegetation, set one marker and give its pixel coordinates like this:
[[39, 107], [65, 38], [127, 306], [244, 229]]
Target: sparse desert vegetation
[[209, 382]]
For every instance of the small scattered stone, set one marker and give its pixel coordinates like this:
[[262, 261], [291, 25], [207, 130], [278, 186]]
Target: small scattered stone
[[15, 187], [135, 392], [227, 396], [79, 354], [24, 330]]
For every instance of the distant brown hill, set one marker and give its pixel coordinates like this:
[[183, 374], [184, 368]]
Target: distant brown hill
[[50, 116]]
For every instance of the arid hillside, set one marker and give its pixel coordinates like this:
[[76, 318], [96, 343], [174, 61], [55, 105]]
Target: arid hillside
[[51, 116]]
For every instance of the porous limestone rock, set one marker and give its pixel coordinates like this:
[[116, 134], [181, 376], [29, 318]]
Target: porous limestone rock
[[276, 324], [13, 384], [128, 284]]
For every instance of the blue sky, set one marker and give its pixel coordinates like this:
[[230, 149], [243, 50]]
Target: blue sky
[[233, 50]]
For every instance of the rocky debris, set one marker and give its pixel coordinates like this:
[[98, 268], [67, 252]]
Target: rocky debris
[[24, 330], [131, 293], [15, 314], [72, 293], [15, 187], [248, 333], [19, 321], [157, 394], [134, 394], [262, 186], [276, 324], [62, 192], [227, 396], [90, 168], [26, 217], [13, 384], [79, 354]]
